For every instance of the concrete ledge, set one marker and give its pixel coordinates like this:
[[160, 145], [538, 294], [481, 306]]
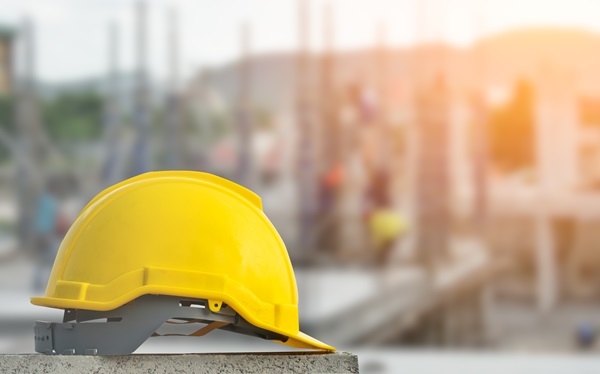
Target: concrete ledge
[[285, 362]]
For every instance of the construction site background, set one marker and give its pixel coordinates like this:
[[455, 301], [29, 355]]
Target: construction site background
[[432, 196]]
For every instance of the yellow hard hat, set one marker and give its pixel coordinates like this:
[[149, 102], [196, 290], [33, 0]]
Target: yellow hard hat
[[188, 236], [386, 225]]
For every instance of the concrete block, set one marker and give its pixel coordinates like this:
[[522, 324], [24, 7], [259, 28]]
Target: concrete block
[[284, 362]]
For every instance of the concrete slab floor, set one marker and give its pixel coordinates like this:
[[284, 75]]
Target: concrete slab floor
[[283, 362]]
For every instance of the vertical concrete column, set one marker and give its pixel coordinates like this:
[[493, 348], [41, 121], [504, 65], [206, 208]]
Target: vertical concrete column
[[174, 144], [556, 119], [305, 160], [111, 168], [545, 259], [141, 117]]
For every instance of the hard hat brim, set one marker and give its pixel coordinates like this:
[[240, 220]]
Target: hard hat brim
[[296, 340], [301, 340]]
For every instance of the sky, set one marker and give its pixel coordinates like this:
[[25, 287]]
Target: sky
[[72, 34]]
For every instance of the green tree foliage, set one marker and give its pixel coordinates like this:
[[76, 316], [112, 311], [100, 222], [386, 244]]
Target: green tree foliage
[[6, 121], [512, 132], [74, 116], [6, 112]]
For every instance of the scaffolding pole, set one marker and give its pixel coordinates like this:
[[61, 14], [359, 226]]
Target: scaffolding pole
[[141, 116], [112, 112], [329, 146], [30, 178], [305, 169], [244, 114], [481, 133], [384, 157], [174, 141], [432, 214]]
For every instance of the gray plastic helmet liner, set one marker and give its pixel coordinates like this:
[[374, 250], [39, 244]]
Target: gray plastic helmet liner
[[123, 330]]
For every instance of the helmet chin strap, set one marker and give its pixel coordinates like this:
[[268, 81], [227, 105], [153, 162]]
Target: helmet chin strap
[[123, 330]]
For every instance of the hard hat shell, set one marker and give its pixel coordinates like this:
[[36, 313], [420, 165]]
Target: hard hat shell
[[179, 233]]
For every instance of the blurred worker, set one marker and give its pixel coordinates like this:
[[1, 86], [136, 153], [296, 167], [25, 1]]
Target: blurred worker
[[46, 238], [329, 188], [384, 223], [586, 335]]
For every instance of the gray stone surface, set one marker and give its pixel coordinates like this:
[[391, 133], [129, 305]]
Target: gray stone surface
[[302, 362]]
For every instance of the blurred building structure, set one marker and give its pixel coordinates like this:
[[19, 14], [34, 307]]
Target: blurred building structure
[[556, 198]]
